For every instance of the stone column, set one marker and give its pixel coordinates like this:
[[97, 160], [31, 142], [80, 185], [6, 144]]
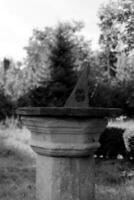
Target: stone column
[[65, 178], [65, 164]]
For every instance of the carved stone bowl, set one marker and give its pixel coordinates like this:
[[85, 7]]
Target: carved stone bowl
[[67, 132]]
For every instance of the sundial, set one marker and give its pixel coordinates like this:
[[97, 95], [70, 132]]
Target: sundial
[[65, 139], [79, 95]]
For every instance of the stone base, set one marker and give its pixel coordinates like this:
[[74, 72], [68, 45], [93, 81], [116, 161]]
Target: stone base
[[65, 178], [64, 139]]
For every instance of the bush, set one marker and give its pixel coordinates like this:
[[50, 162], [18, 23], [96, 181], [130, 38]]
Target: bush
[[109, 94], [112, 143], [6, 106], [129, 142], [113, 94]]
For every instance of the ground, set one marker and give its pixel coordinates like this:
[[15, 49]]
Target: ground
[[17, 177], [114, 178]]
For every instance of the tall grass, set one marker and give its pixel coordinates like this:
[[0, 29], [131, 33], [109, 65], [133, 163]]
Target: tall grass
[[15, 138]]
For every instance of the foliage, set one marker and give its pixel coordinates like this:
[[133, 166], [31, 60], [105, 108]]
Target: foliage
[[54, 57], [118, 138], [125, 67], [12, 86], [117, 25], [108, 15], [13, 79], [125, 76], [115, 62], [112, 143], [129, 141], [6, 106], [117, 31]]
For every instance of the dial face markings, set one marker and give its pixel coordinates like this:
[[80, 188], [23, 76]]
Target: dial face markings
[[80, 95]]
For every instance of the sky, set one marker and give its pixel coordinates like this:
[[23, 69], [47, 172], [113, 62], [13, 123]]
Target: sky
[[19, 17]]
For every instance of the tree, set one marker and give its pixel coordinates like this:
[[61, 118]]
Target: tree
[[54, 57], [117, 25], [117, 38], [110, 24], [14, 80]]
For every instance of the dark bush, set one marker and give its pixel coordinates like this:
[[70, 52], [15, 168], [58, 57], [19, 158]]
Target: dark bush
[[112, 143], [23, 101], [117, 95], [54, 94], [108, 95], [6, 106]]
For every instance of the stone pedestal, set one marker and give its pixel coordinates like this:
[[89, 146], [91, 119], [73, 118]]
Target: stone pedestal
[[65, 178], [65, 140]]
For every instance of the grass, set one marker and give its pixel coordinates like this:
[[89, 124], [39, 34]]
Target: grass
[[114, 178], [17, 163], [17, 178]]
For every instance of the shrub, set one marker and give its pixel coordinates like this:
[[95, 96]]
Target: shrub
[[6, 106], [129, 142], [112, 143]]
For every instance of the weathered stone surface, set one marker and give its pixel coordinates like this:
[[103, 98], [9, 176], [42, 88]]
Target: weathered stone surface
[[65, 137], [65, 178], [64, 112], [79, 96]]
